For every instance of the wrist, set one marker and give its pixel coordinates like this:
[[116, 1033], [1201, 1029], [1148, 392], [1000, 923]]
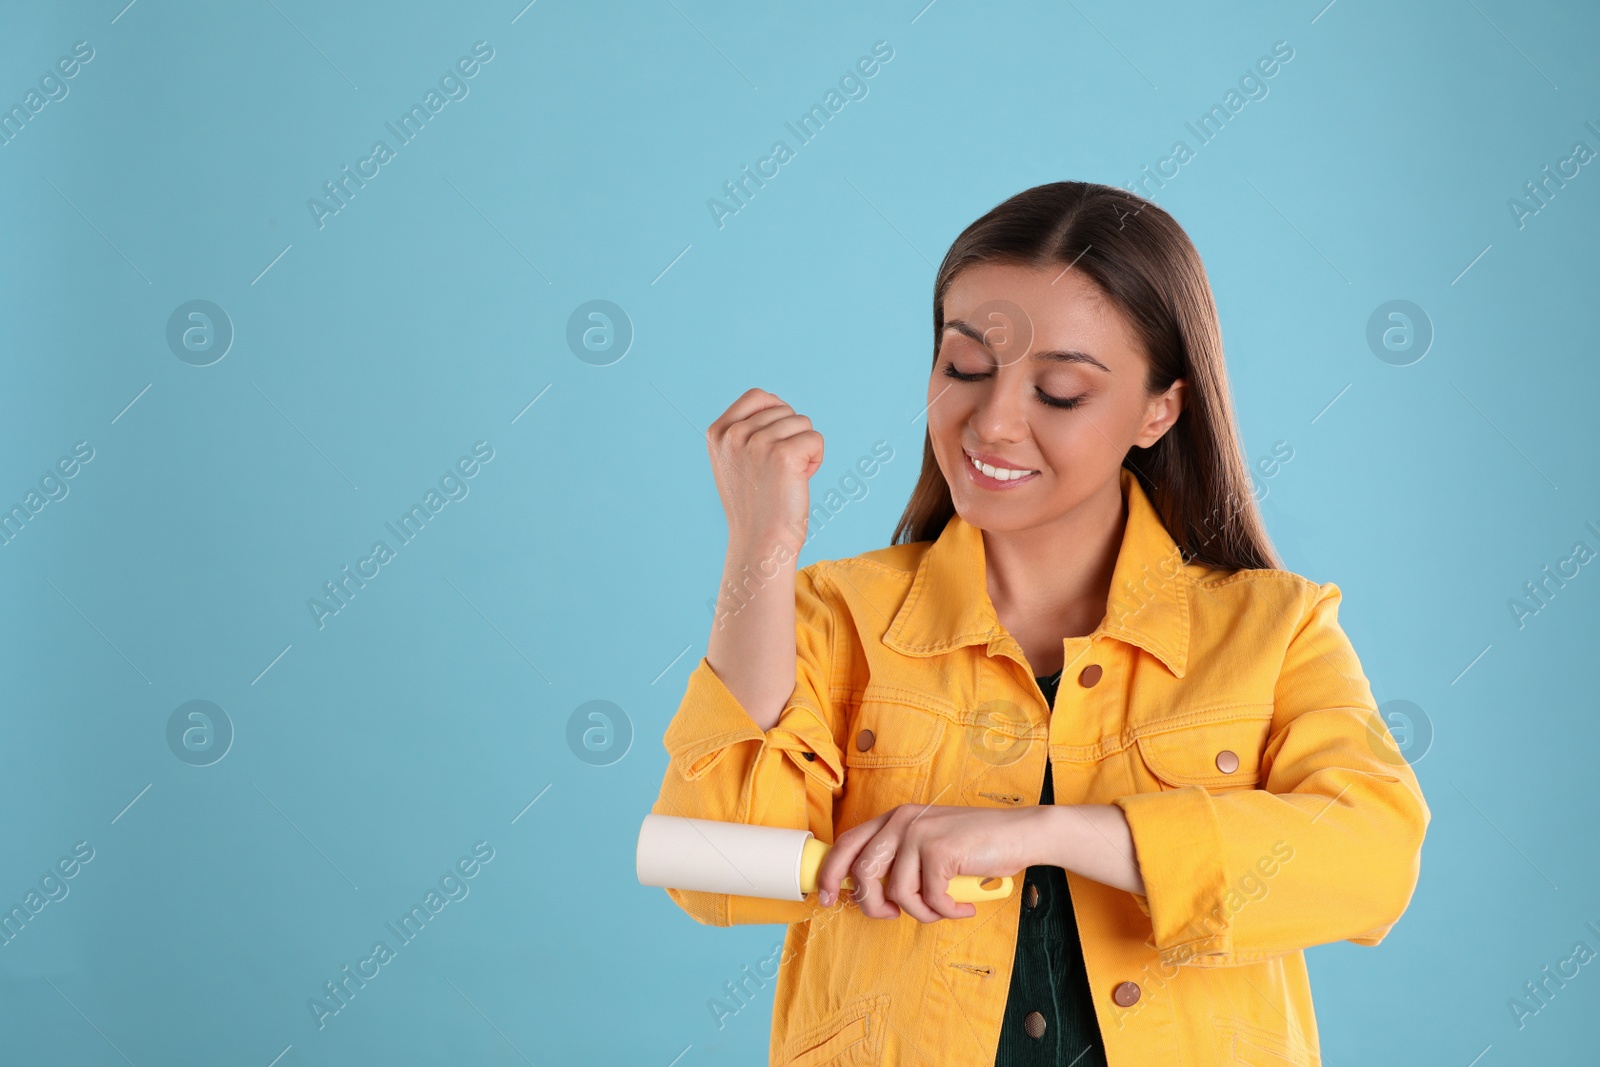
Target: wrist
[[1092, 840], [1042, 830], [770, 557], [776, 542]]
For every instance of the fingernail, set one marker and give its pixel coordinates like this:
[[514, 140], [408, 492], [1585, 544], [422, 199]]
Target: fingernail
[[826, 898]]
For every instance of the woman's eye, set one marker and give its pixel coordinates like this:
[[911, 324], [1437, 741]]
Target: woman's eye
[[1064, 403], [1058, 402], [951, 372]]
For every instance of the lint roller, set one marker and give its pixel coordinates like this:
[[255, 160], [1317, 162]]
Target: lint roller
[[709, 856]]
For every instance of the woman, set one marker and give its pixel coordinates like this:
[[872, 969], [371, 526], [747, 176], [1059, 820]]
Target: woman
[[1078, 661]]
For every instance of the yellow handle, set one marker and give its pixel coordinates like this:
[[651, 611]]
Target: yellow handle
[[964, 888]]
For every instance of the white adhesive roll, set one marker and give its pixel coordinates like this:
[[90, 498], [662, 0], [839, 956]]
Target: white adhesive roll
[[720, 857]]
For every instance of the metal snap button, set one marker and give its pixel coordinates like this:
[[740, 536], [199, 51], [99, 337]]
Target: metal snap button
[[1030, 896], [1090, 675], [1126, 994], [864, 740], [1227, 762], [1033, 1024]]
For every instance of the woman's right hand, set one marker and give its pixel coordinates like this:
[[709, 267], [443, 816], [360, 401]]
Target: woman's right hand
[[763, 455]]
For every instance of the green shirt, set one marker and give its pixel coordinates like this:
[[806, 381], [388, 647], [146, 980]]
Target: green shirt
[[1048, 976]]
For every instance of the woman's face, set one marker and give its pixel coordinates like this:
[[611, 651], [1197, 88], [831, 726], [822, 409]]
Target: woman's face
[[1037, 373]]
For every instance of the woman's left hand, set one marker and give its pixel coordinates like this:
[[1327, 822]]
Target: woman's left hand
[[903, 859]]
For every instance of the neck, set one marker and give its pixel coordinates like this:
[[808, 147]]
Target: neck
[[1060, 570]]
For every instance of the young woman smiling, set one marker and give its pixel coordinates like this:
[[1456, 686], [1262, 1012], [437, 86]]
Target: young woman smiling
[[1078, 661]]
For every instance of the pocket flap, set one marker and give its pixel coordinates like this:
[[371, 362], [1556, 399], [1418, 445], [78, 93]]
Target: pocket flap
[[1220, 753], [890, 733]]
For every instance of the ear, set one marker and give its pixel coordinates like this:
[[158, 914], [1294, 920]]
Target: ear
[[1161, 412]]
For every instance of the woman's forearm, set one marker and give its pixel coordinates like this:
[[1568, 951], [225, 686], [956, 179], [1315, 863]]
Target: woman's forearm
[[1090, 839], [752, 645]]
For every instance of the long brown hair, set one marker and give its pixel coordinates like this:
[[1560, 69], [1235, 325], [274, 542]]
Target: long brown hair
[[1140, 258]]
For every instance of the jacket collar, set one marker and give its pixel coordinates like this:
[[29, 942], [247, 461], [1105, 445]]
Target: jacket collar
[[949, 606]]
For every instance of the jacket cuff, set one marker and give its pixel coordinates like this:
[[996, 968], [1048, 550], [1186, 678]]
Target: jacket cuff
[[743, 911], [724, 909], [1177, 840], [698, 741]]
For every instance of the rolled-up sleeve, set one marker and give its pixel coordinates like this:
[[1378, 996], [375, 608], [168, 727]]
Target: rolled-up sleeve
[[1327, 849], [722, 766]]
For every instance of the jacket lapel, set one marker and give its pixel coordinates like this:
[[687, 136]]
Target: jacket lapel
[[948, 605]]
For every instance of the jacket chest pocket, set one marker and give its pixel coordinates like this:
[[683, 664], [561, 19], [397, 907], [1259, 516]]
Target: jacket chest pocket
[[1221, 754], [888, 758]]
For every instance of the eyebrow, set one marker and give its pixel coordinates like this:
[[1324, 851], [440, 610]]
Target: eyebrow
[[966, 329]]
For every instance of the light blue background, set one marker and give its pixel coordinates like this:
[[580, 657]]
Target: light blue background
[[425, 316]]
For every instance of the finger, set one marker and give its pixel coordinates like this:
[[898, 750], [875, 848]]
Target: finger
[[936, 893], [904, 885], [869, 869], [816, 460], [801, 453], [749, 402], [836, 864], [747, 428], [734, 438], [778, 429], [754, 435]]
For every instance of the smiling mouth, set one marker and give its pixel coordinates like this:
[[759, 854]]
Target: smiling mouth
[[997, 474]]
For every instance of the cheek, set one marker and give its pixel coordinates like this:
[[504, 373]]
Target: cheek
[[944, 413], [1062, 435], [944, 443], [1107, 420], [944, 431], [1077, 443]]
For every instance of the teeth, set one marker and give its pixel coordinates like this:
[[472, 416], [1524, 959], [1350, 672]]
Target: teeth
[[1002, 474]]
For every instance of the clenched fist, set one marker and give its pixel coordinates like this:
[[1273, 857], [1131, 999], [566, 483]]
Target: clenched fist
[[763, 455]]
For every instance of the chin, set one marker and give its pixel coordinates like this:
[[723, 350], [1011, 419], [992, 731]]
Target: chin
[[1004, 526], [993, 517]]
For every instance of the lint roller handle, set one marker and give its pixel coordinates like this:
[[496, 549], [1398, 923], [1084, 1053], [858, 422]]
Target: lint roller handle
[[965, 888]]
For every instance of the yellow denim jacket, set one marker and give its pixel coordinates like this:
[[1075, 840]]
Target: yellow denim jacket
[[1225, 713]]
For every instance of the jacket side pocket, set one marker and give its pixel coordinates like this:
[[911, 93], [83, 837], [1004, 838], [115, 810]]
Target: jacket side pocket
[[851, 1037], [1242, 1042]]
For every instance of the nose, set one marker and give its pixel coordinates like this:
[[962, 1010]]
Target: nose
[[1002, 415]]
